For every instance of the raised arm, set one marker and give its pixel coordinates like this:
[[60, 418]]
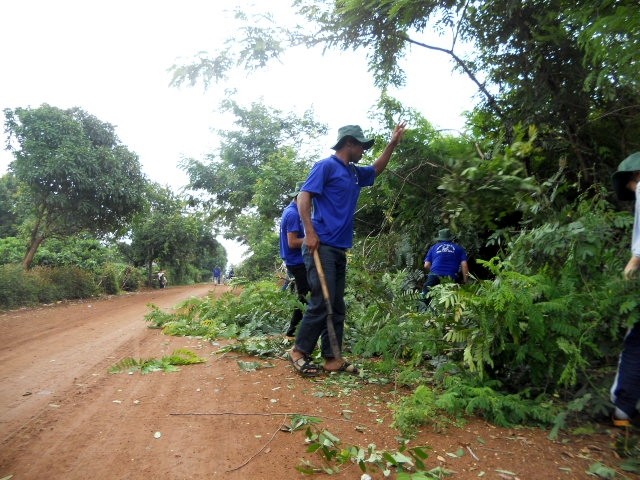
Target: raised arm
[[381, 162]]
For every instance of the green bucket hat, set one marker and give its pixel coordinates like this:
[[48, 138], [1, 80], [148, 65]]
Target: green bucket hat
[[297, 190], [621, 177], [444, 235], [353, 131]]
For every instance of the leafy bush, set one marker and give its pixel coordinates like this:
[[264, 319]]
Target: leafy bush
[[42, 285], [12, 250], [19, 288], [131, 279], [88, 254], [260, 309], [108, 280], [68, 282]]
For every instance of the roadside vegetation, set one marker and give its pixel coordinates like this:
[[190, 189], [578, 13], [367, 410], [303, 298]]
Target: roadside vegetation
[[533, 339]]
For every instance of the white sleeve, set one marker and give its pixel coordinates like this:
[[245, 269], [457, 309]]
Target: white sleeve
[[635, 237]]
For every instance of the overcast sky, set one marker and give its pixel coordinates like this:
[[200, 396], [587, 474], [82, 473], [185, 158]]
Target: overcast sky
[[111, 59]]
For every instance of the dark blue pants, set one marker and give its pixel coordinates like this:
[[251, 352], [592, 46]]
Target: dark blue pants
[[299, 272], [625, 391], [431, 281], [314, 321]]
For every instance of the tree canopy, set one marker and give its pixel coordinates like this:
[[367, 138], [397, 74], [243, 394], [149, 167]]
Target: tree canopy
[[554, 65], [74, 174], [168, 233]]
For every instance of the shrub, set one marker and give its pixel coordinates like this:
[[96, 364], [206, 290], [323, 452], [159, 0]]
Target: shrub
[[131, 278], [17, 287], [12, 250], [68, 282], [108, 280]]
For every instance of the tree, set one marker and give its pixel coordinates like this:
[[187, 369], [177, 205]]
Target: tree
[[74, 174], [557, 65], [167, 233], [257, 164]]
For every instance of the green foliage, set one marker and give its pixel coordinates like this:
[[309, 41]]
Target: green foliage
[[259, 309], [116, 277], [82, 251], [406, 462], [74, 174], [11, 250], [417, 410], [609, 39], [251, 50], [74, 268], [20, 288], [557, 68], [108, 280], [501, 181], [9, 218], [262, 346], [601, 471], [489, 399], [68, 282], [130, 279], [171, 234], [169, 363]]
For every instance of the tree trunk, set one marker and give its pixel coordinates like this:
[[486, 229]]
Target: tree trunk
[[31, 252], [150, 273]]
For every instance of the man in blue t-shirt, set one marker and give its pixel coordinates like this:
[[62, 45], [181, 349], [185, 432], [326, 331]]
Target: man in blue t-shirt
[[291, 238], [444, 259], [333, 188]]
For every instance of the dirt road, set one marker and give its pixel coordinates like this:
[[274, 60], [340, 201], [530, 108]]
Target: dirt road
[[62, 416]]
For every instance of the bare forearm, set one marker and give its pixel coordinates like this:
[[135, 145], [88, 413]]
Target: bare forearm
[[293, 240], [304, 210], [383, 160]]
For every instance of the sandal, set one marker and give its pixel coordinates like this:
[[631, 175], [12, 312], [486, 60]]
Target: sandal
[[621, 422], [346, 367], [304, 366]]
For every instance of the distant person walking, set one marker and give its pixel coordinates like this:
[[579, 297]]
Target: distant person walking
[[291, 238], [444, 259], [162, 279], [216, 275]]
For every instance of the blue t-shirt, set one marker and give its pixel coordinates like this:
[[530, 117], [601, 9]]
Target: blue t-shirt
[[335, 188], [445, 258], [290, 222]]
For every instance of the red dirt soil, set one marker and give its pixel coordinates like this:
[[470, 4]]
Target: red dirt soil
[[63, 416]]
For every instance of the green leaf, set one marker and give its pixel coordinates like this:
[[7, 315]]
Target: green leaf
[[601, 471]]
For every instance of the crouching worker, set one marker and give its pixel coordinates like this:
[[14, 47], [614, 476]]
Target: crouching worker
[[444, 259]]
